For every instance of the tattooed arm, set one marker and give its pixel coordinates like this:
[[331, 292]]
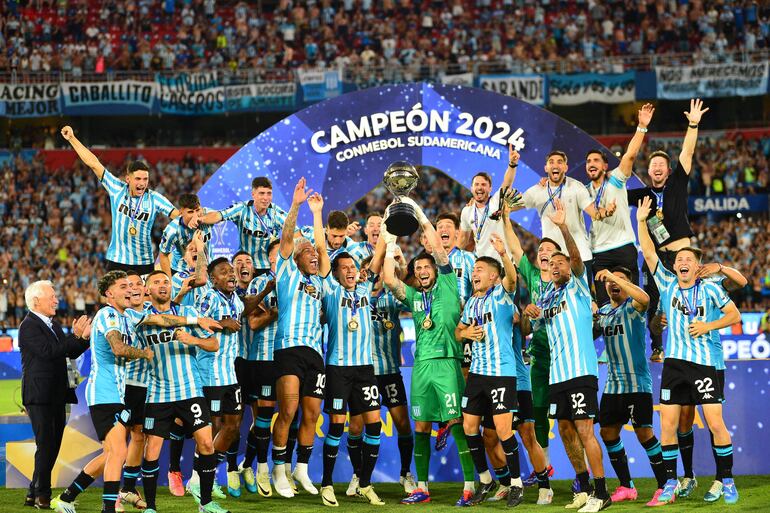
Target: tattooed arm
[[286, 248], [120, 348]]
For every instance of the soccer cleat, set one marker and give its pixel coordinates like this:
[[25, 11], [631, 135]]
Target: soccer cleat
[[729, 491], [263, 484], [579, 500], [482, 492], [370, 495], [532, 479], [623, 493], [408, 483], [515, 496], [175, 484], [194, 489], [670, 490], [657, 355], [418, 496], [292, 483], [501, 494], [119, 506], [60, 506], [352, 490], [133, 498], [715, 492], [328, 498], [465, 499], [300, 474], [212, 507], [687, 486], [281, 484], [654, 501], [234, 483], [442, 436], [217, 493], [544, 496], [249, 480], [595, 505]]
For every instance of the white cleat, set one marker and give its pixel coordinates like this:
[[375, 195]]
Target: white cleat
[[328, 498], [300, 474], [353, 490], [281, 484], [370, 495], [263, 484], [408, 483], [544, 496], [290, 479], [578, 501]]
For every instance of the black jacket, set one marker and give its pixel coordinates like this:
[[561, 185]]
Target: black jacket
[[43, 362]]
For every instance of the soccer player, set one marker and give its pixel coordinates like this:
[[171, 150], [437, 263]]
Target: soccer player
[[188, 284], [628, 392], [259, 221], [335, 232], [110, 339], [613, 242], [566, 313], [134, 208], [437, 380], [179, 233], [365, 249], [668, 222], [696, 310], [298, 350]]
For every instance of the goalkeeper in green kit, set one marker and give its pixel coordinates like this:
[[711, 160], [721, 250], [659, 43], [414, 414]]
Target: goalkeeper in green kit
[[437, 379]]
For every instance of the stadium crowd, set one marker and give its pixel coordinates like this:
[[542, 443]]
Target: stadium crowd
[[90, 36]]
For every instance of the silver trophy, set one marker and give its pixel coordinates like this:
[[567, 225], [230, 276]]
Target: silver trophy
[[400, 179]]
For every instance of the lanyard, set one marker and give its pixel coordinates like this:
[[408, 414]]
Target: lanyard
[[478, 310], [599, 194], [133, 211], [155, 311], [480, 227], [268, 230], [355, 305], [545, 301], [427, 299], [659, 198], [552, 195], [692, 311], [230, 303], [611, 314], [542, 299], [374, 304]]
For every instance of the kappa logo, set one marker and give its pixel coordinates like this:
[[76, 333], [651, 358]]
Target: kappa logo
[[580, 411], [337, 404], [149, 423], [665, 394], [500, 406], [197, 422], [393, 400], [708, 396], [374, 403], [452, 411], [318, 391]]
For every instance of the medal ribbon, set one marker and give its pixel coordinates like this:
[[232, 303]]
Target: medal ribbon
[[354, 307], [552, 195], [659, 198], [230, 303], [599, 194], [478, 310], [611, 314], [692, 311], [541, 299], [427, 299], [133, 211], [268, 230], [480, 227]]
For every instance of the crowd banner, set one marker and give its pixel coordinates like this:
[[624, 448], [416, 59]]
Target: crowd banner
[[462, 79], [115, 97], [711, 80], [591, 87], [261, 97], [319, 84], [191, 93], [29, 100], [528, 88], [727, 204]]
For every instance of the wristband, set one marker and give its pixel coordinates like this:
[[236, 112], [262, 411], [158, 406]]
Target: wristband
[[513, 164], [191, 320], [641, 129], [692, 125]]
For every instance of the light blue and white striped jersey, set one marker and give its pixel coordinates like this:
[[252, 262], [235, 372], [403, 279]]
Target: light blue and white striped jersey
[[299, 307], [462, 262], [245, 333], [567, 316], [386, 343], [173, 371], [624, 331], [704, 301], [348, 243], [345, 346], [130, 211], [137, 371], [218, 369], [360, 251], [523, 382], [716, 338], [191, 298], [261, 342], [177, 236], [256, 231], [107, 378], [493, 356]]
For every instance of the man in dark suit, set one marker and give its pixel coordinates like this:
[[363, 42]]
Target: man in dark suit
[[46, 383]]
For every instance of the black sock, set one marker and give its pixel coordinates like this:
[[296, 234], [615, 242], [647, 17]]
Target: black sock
[[370, 452], [542, 479], [303, 453], [262, 432], [130, 475], [354, 453], [476, 448], [405, 449], [279, 455], [331, 448], [251, 448], [619, 461], [669, 460], [207, 469], [196, 463], [585, 483], [686, 442], [292, 440], [220, 456], [511, 450], [232, 455], [600, 486], [503, 475], [150, 470], [714, 453], [175, 447], [80, 483], [110, 496], [724, 461], [655, 454]]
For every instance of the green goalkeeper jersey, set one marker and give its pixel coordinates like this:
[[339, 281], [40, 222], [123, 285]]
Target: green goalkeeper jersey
[[538, 346]]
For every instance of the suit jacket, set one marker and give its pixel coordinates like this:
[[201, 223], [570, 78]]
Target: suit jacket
[[44, 363]]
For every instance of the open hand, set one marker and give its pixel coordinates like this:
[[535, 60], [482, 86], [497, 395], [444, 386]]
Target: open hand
[[316, 203], [643, 209], [645, 114], [696, 111], [559, 217], [300, 193]]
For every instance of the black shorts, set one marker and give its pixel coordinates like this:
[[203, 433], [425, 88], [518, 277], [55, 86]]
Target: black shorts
[[243, 376], [620, 408], [524, 413], [306, 364], [351, 388], [261, 382], [574, 399], [721, 375], [159, 417], [135, 399], [143, 270], [392, 389], [686, 383], [467, 353], [107, 416], [489, 395], [224, 400]]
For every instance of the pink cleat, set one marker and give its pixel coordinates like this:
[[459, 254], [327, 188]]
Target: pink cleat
[[654, 501], [175, 485], [622, 493]]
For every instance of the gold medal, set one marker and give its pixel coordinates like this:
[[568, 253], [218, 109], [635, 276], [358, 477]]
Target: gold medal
[[132, 230], [310, 289], [388, 324], [353, 325], [659, 214], [427, 323]]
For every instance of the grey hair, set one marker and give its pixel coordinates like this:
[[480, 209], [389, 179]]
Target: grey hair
[[34, 291]]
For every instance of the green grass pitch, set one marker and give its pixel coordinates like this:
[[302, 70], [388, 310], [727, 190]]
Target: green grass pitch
[[9, 391]]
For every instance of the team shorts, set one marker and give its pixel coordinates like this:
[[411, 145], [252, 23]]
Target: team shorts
[[467, 353], [721, 375], [574, 399], [224, 400], [135, 399], [437, 388], [261, 381], [392, 389], [351, 388], [305, 363], [687, 383], [489, 395], [617, 409], [107, 416], [243, 376], [523, 414], [159, 417]]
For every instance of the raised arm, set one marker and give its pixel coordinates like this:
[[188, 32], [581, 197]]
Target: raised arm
[[165, 263], [638, 296], [510, 172], [559, 218], [286, 248], [645, 241], [316, 204], [120, 348], [734, 279], [375, 266], [201, 274], [439, 253], [85, 155], [511, 239], [394, 284], [509, 282], [627, 161], [693, 116]]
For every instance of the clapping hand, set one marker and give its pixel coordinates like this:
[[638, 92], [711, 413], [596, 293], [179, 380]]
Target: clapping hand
[[81, 327]]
